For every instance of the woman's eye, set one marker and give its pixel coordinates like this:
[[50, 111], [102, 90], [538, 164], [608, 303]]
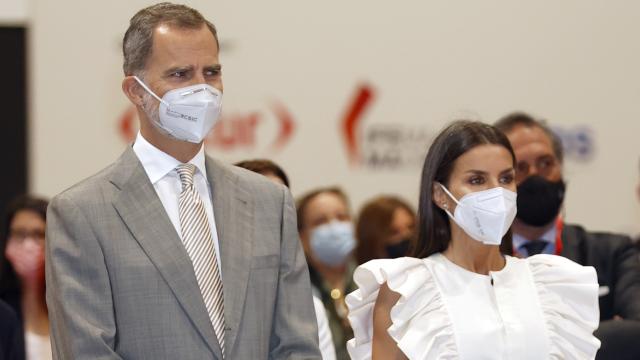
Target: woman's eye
[[507, 179], [476, 180], [323, 220]]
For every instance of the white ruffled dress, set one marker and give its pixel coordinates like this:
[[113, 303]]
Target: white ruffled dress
[[542, 307]]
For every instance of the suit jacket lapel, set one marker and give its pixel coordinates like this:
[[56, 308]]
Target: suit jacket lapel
[[142, 211], [233, 212]]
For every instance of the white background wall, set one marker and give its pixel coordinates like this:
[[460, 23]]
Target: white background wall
[[573, 62], [14, 12]]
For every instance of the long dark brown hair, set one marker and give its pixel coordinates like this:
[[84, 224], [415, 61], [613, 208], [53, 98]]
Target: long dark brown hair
[[434, 233]]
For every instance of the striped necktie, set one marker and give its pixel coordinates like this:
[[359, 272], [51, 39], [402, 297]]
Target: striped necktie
[[197, 239]]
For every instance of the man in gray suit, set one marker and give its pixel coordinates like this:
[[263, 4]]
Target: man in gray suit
[[167, 253]]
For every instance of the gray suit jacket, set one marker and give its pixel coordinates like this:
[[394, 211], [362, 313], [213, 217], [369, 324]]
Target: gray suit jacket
[[120, 284]]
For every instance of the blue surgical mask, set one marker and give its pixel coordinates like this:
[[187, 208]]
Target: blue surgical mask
[[332, 243]]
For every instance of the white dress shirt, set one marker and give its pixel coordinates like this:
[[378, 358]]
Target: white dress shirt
[[161, 170]]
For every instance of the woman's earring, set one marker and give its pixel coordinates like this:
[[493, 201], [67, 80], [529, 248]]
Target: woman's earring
[[444, 205]]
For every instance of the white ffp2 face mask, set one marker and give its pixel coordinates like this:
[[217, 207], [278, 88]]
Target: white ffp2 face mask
[[188, 113], [485, 215]]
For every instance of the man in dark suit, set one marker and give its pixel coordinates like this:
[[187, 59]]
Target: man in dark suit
[[168, 253], [538, 228]]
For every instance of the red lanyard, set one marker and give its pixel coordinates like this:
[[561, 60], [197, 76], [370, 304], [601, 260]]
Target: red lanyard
[[559, 226]]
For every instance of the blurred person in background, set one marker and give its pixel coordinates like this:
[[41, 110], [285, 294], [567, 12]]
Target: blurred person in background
[[274, 172], [384, 229], [22, 280], [267, 168], [539, 228], [326, 232]]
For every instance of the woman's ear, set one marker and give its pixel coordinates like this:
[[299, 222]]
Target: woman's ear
[[439, 196]]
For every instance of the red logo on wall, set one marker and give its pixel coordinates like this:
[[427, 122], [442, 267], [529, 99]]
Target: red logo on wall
[[351, 121], [381, 145], [232, 132]]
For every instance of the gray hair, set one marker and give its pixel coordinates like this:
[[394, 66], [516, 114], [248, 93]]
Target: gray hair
[[138, 40], [510, 121]]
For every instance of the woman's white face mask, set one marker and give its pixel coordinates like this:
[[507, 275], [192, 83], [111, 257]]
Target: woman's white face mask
[[484, 215]]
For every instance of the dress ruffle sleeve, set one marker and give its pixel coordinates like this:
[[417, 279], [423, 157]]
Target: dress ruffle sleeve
[[568, 295], [420, 303]]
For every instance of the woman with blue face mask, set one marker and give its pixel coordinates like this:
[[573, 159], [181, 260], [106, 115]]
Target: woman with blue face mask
[[326, 232], [461, 296]]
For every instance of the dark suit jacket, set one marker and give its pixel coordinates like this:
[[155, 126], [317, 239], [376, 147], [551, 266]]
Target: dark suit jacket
[[11, 337], [617, 263]]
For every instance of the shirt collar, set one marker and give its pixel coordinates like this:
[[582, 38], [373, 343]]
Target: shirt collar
[[549, 237], [157, 164]]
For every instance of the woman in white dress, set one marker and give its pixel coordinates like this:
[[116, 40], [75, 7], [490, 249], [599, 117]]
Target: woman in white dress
[[462, 297]]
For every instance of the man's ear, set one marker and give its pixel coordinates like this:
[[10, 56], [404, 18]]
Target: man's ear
[[132, 90], [439, 197]]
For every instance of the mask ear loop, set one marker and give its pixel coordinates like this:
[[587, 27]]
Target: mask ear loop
[[144, 86], [452, 198]]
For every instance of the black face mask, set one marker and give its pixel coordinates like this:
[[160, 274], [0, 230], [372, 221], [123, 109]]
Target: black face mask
[[398, 250], [539, 200]]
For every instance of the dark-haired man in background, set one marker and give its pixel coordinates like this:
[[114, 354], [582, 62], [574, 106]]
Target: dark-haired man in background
[[539, 229]]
